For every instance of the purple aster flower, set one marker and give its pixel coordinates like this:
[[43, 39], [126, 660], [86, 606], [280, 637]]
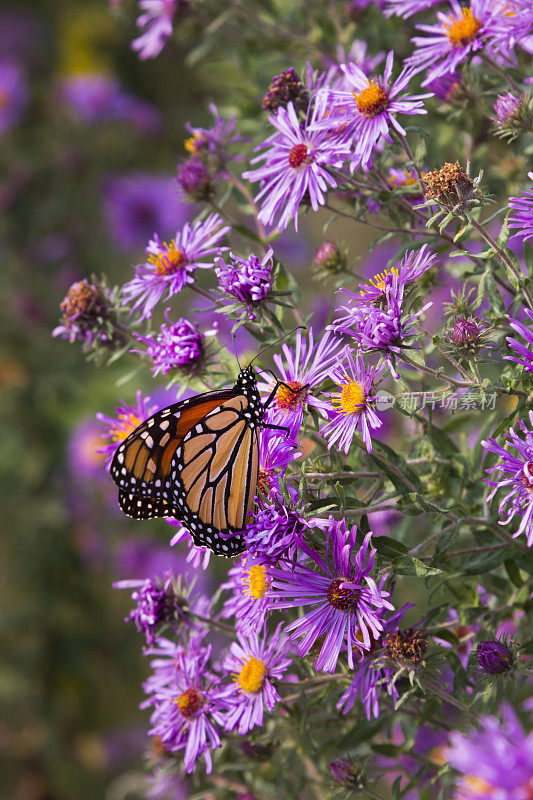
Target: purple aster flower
[[178, 345], [516, 477], [14, 94], [460, 33], [495, 760], [521, 216], [138, 204], [276, 527], [524, 352], [85, 459], [216, 140], [513, 28], [155, 603], [371, 675], [352, 402], [247, 279], [156, 23], [127, 419], [249, 582], [414, 264], [188, 699], [163, 784], [379, 329], [95, 98], [255, 663], [446, 86], [363, 114], [170, 267], [406, 8], [513, 114], [506, 106], [296, 161], [347, 603], [494, 657], [302, 369]]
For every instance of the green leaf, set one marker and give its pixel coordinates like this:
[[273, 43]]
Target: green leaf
[[396, 468], [408, 565], [513, 571], [484, 562], [389, 547]]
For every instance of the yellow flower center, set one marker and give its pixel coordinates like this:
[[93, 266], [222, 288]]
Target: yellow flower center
[[252, 675], [477, 785], [291, 395], [256, 582], [189, 702], [379, 281], [463, 30], [372, 100], [169, 260], [128, 424], [195, 143], [352, 398]]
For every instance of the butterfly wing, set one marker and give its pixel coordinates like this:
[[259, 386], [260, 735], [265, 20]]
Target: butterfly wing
[[214, 473], [142, 463], [144, 507]]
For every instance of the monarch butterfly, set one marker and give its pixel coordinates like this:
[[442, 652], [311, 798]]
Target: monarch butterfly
[[197, 460]]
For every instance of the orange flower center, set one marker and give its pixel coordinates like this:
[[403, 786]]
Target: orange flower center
[[299, 155], [128, 424], [189, 702], [256, 582], [252, 675], [372, 100], [291, 395], [463, 30], [169, 260]]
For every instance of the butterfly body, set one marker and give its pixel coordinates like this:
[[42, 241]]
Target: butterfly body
[[198, 461]]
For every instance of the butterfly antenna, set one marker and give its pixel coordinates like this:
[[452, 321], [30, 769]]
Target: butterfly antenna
[[235, 350], [299, 327]]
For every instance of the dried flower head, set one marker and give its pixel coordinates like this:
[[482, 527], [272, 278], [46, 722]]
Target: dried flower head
[[450, 186], [88, 316], [284, 89], [406, 647]]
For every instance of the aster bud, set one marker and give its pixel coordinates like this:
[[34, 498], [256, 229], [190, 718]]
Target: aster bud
[[451, 187], [467, 335], [494, 657], [347, 774], [514, 115], [329, 259], [194, 179], [284, 89], [406, 647]]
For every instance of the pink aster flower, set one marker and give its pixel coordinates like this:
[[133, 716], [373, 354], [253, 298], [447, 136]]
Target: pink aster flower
[[351, 404], [302, 369], [363, 115], [460, 33], [156, 23], [296, 164], [127, 419], [170, 267], [249, 582], [347, 604], [255, 663], [178, 345], [516, 477]]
